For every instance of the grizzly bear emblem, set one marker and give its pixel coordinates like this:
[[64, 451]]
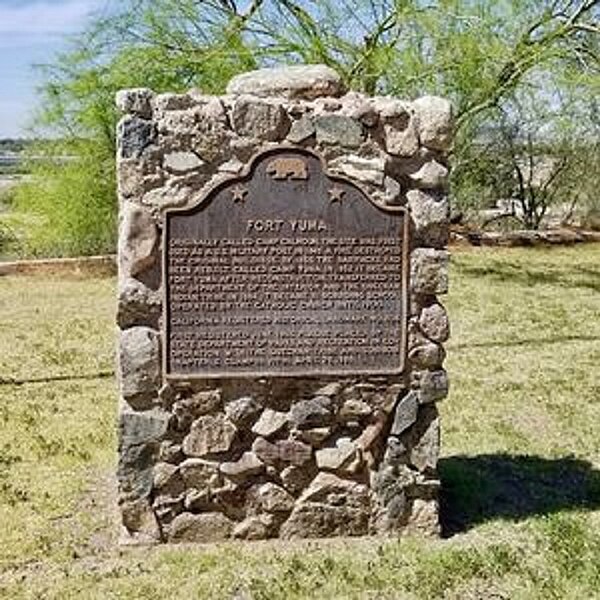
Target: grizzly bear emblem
[[284, 168]]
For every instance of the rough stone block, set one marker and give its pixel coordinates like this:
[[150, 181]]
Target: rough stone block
[[209, 435], [293, 82], [139, 366], [140, 435], [138, 237], [134, 136], [137, 304], [136, 101], [338, 130], [434, 323], [430, 214], [367, 170], [203, 528], [436, 122], [259, 119], [433, 385], [429, 271]]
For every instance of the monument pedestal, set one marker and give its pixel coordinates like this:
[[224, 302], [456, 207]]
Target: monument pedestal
[[280, 344]]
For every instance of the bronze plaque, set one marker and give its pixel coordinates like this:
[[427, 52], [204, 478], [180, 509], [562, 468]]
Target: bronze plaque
[[285, 271]]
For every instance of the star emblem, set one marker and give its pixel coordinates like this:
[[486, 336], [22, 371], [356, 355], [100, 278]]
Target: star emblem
[[239, 193], [336, 194]]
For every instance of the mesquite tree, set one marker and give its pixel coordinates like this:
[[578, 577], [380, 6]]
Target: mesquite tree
[[478, 53]]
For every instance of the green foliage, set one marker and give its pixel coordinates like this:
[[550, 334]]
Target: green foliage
[[73, 200], [480, 54]]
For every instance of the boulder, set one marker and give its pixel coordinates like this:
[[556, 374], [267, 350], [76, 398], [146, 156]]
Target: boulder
[[135, 101], [433, 322], [140, 435], [248, 465], [367, 170], [138, 237], [308, 414], [338, 130], [259, 119], [202, 528], [312, 519], [435, 122], [429, 271], [431, 217], [405, 414], [293, 82], [209, 435], [271, 498], [139, 366], [243, 412], [269, 423]]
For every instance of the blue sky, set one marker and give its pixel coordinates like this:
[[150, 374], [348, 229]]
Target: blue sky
[[32, 31]]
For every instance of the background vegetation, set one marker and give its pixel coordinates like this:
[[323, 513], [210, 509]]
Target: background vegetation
[[520, 465], [524, 76]]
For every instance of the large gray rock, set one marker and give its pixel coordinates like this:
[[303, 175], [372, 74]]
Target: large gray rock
[[270, 422], [301, 130], [433, 385], [436, 122], [430, 214], [430, 175], [338, 457], [328, 488], [137, 304], [134, 136], [139, 366], [202, 528], [209, 435], [427, 356], [406, 413], [306, 81], [243, 412], [271, 498], [307, 414], [259, 119], [136, 101], [140, 435], [291, 452], [189, 409], [137, 242], [429, 271], [200, 474], [433, 322], [367, 170], [139, 520], [313, 519], [424, 454], [338, 130], [257, 527], [248, 465]]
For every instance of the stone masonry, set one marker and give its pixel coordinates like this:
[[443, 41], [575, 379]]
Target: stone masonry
[[281, 457]]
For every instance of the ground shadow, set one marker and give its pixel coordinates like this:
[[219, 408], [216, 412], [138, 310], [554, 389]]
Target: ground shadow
[[481, 488]]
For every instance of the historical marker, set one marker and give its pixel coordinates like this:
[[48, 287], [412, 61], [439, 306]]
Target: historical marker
[[285, 271]]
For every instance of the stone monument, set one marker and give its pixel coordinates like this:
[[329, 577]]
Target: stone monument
[[281, 253]]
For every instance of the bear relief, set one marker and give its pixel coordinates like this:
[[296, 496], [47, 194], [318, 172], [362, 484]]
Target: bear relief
[[284, 168]]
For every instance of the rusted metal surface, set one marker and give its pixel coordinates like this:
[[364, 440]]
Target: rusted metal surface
[[285, 271]]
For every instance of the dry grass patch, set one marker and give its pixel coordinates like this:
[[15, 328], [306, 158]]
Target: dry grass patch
[[521, 447]]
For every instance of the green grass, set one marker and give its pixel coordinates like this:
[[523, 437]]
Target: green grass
[[520, 466]]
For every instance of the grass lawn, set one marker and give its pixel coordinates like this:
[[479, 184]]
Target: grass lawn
[[520, 466]]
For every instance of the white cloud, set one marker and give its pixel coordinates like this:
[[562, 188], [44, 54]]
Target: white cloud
[[45, 17]]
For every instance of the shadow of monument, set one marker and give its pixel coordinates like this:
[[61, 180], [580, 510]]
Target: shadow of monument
[[481, 488]]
